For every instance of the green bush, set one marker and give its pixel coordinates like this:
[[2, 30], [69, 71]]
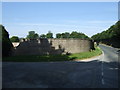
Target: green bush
[[6, 43]]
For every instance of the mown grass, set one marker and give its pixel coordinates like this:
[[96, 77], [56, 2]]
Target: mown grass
[[85, 55], [47, 58], [37, 58]]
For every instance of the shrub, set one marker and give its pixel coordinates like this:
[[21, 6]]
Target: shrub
[[6, 43]]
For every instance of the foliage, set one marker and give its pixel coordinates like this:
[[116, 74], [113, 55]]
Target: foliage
[[110, 36], [6, 43], [74, 34], [14, 39], [58, 35], [32, 35], [42, 36], [49, 35]]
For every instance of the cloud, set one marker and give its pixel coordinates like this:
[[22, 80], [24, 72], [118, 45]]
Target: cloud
[[60, 0], [43, 24], [100, 22]]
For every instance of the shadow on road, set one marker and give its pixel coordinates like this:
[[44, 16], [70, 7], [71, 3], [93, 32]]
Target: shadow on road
[[67, 74]]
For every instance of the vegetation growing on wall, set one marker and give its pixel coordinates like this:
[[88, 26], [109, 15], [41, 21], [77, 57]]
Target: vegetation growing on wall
[[6, 43], [110, 36]]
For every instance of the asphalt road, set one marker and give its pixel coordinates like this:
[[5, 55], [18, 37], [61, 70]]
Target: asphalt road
[[110, 67], [101, 73]]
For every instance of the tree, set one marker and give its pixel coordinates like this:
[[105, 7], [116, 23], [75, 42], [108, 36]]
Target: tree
[[74, 34], [14, 39], [58, 35], [42, 36], [66, 35], [6, 43], [32, 35], [49, 35], [110, 36]]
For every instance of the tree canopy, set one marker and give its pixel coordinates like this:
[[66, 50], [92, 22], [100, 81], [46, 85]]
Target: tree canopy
[[49, 34], [110, 36], [6, 43], [14, 39], [42, 36], [32, 35], [74, 34]]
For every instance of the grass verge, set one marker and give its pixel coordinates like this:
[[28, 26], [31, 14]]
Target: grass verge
[[47, 58], [85, 55]]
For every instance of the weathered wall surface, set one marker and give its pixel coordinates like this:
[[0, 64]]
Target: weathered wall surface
[[53, 46], [15, 44]]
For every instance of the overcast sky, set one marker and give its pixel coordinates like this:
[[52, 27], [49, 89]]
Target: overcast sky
[[57, 17]]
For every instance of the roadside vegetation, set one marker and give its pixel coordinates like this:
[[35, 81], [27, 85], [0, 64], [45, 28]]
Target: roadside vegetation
[[85, 55], [6, 43], [110, 37]]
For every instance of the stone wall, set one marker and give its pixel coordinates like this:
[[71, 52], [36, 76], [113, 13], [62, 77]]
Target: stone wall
[[53, 46], [15, 44]]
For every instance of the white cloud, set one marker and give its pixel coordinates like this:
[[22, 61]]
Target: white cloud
[[59, 0], [100, 22]]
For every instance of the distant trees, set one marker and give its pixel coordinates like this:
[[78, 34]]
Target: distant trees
[[58, 35], [110, 36], [49, 35], [42, 36], [14, 39], [63, 35], [32, 35], [74, 34], [6, 43]]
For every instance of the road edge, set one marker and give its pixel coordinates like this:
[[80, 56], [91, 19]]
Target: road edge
[[92, 58]]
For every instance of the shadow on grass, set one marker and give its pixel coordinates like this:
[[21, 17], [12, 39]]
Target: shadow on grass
[[38, 58]]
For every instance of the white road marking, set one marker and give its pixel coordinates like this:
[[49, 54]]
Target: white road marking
[[103, 81], [102, 73], [114, 68]]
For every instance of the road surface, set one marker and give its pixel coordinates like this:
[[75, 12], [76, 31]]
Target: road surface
[[100, 73]]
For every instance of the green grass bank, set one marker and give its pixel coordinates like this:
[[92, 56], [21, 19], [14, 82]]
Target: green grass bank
[[48, 58]]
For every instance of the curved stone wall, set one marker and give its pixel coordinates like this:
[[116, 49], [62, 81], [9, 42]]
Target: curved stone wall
[[53, 46]]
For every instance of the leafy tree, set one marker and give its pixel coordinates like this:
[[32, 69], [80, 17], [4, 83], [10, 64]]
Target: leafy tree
[[110, 36], [14, 39], [32, 35], [74, 34], [49, 35], [66, 35], [6, 43], [58, 35], [42, 36]]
